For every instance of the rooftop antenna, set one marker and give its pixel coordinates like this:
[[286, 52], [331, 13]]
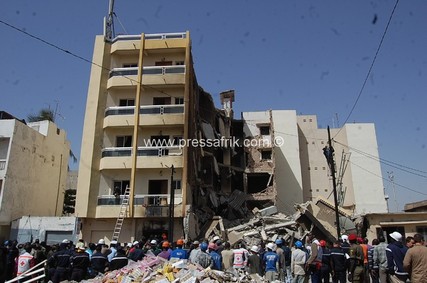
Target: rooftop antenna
[[109, 24]]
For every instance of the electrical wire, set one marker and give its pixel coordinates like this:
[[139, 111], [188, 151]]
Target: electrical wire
[[386, 162], [404, 187], [370, 68], [78, 56]]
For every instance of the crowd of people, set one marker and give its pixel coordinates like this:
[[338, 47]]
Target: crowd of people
[[349, 259]]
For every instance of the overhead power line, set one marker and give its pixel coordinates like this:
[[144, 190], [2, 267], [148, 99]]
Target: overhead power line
[[370, 67], [385, 179], [398, 166], [77, 56]]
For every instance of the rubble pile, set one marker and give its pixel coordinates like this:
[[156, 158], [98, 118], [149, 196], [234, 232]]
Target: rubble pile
[[156, 269], [267, 225]]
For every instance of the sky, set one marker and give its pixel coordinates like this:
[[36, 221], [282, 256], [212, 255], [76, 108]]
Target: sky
[[354, 61]]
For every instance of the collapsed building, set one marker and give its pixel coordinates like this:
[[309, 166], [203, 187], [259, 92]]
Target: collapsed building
[[158, 156]]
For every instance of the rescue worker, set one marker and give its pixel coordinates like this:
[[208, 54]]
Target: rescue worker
[[179, 252], [356, 259], [79, 263]]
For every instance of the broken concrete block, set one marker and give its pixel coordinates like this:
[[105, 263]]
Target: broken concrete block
[[268, 211], [234, 237]]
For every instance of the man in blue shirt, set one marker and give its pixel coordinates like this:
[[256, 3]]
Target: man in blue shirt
[[216, 258], [179, 252], [271, 260]]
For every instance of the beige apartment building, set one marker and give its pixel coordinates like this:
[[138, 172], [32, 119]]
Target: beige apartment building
[[285, 164], [153, 73], [33, 170]]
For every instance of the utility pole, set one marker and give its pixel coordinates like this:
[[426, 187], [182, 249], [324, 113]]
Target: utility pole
[[171, 206], [391, 179], [329, 154]]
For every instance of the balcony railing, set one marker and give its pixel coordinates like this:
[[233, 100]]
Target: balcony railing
[[161, 36], [155, 205], [158, 151], [149, 70], [2, 164], [145, 109]]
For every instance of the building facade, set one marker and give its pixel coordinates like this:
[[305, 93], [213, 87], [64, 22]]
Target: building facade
[[168, 174], [33, 170], [288, 165]]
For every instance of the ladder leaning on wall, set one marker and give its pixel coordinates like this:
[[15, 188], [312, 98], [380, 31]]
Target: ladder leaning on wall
[[122, 214]]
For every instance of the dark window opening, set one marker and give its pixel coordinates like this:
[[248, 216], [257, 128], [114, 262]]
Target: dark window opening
[[161, 100], [131, 65], [163, 63], [266, 155], [121, 185], [258, 182], [124, 141], [264, 130], [179, 100], [127, 102]]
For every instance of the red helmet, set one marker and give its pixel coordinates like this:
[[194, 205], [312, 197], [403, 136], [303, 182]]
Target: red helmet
[[322, 243], [180, 242], [352, 237], [165, 244]]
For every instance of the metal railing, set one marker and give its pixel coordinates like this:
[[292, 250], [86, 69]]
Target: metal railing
[[158, 151], [149, 70], [145, 200], [145, 109], [31, 274], [153, 36]]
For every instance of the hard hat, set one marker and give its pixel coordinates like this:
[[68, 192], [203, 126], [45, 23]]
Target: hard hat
[[113, 242], [101, 242], [255, 249], [153, 242], [298, 244], [352, 237], [165, 244], [279, 241], [215, 238], [203, 246], [344, 238], [180, 242], [270, 246], [65, 241], [396, 236], [322, 243], [135, 243]]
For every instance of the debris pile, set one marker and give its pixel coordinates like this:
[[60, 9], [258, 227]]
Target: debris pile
[[156, 269]]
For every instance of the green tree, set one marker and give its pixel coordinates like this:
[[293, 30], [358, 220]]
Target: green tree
[[42, 115]]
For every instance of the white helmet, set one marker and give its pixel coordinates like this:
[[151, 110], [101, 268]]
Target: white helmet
[[270, 246]]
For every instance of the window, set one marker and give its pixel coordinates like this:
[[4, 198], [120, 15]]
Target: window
[[264, 130], [127, 102], [266, 155], [179, 63], [179, 100], [161, 100], [122, 185], [130, 65], [123, 141], [176, 184], [163, 63]]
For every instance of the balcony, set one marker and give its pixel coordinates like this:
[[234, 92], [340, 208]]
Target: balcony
[[130, 43], [151, 115], [152, 75], [148, 157], [144, 205]]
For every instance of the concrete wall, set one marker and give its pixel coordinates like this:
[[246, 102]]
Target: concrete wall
[[30, 228], [36, 172]]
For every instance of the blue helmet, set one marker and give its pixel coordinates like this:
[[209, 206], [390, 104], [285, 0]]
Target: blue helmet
[[204, 246], [279, 241], [298, 244]]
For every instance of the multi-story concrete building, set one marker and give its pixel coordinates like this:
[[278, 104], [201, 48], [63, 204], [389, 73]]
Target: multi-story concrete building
[[33, 170], [287, 163], [153, 73]]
